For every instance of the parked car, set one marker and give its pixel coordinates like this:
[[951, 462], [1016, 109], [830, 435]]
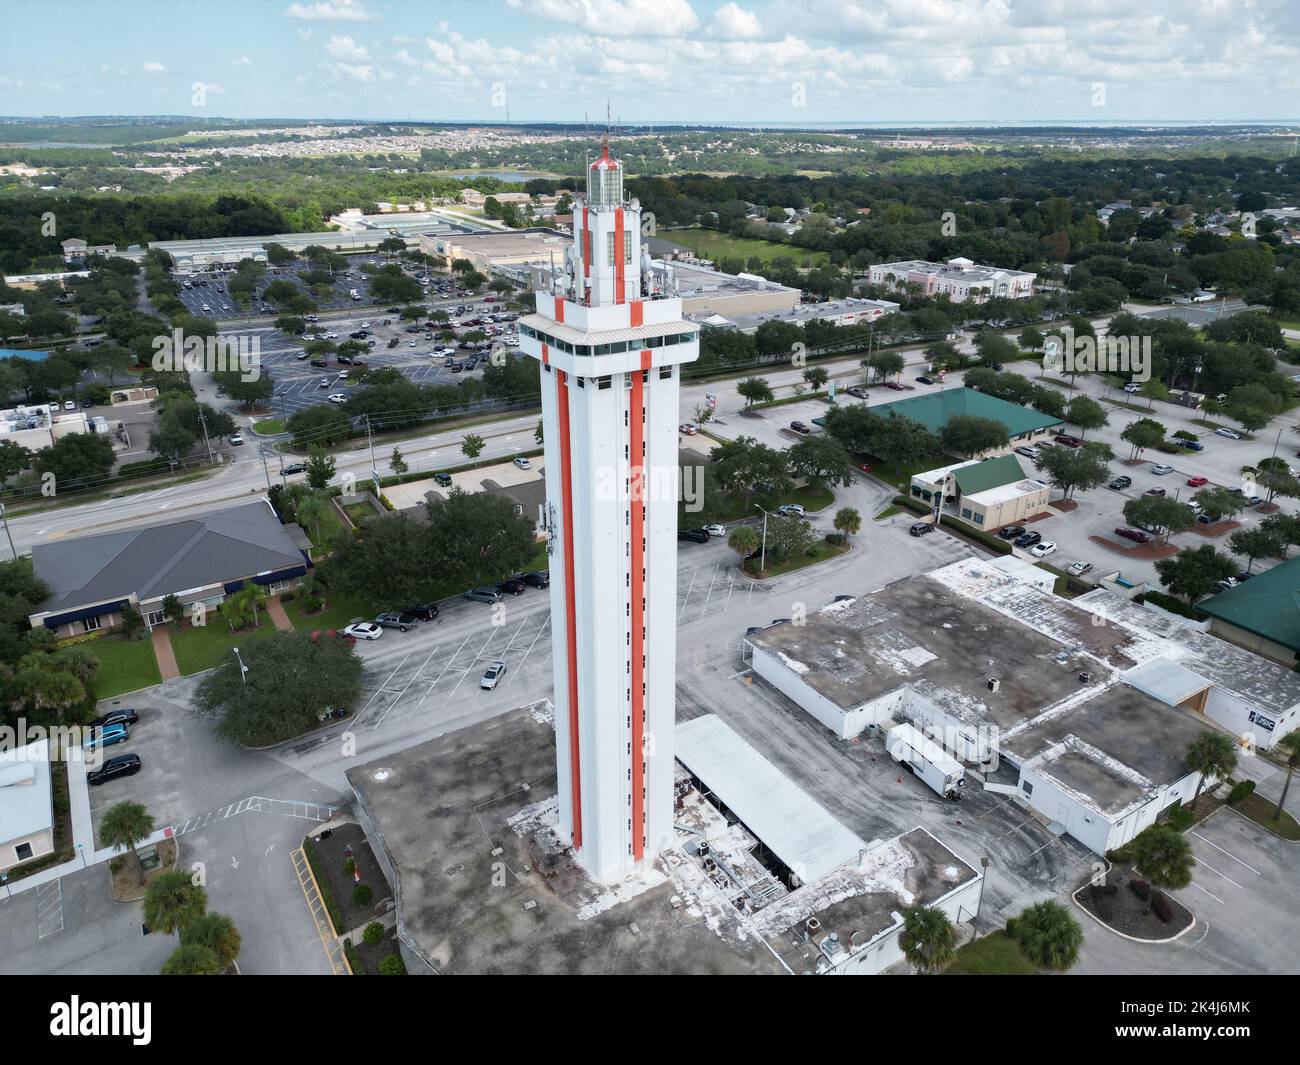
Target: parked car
[[1197, 482], [442, 479], [364, 630], [1068, 441], [696, 536], [1191, 445], [123, 716], [920, 528], [1134, 535], [537, 578], [1078, 569], [483, 595], [522, 463], [924, 380], [106, 737], [716, 530], [1011, 532], [236, 438], [800, 427], [1042, 550], [1230, 434], [1029, 452], [121, 765], [1027, 540], [337, 397], [1155, 492], [1161, 468], [791, 510], [894, 386], [1132, 387], [395, 620], [1120, 483], [512, 586], [492, 675], [422, 611], [856, 391], [1226, 583]]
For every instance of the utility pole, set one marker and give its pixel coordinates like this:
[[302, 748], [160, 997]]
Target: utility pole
[[8, 535], [204, 422], [762, 558], [374, 469], [265, 469]]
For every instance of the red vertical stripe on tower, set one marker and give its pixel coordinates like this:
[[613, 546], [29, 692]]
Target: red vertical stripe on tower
[[546, 354], [619, 297], [636, 535], [559, 309], [570, 598], [637, 313]]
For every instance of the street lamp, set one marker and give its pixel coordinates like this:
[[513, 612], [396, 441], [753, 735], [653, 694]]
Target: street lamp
[[243, 669], [762, 558], [984, 879]]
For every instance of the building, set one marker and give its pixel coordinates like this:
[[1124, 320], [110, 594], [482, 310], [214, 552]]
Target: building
[[35, 281], [845, 312], [611, 345], [1261, 614], [199, 560], [26, 804], [934, 410], [988, 493], [1081, 709], [15, 309], [958, 279], [76, 248], [515, 250]]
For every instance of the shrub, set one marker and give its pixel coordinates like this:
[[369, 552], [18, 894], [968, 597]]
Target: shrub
[[1179, 817], [350, 866], [1174, 606], [374, 933], [392, 966], [1240, 791], [361, 895]]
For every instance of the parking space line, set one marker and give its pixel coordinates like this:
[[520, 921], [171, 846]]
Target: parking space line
[[546, 624], [49, 908], [1210, 893], [477, 655], [414, 677], [1228, 853], [1218, 871]]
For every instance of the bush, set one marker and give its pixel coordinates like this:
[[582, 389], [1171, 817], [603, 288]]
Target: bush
[[1240, 791], [374, 933], [1179, 817], [835, 538], [1174, 606], [361, 895], [392, 966], [350, 866], [1161, 907]]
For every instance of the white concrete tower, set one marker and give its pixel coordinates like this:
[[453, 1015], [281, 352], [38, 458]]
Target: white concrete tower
[[611, 339]]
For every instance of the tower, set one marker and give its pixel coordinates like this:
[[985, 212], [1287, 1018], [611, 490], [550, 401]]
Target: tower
[[610, 337]]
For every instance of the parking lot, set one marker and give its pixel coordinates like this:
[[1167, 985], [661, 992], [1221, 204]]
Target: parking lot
[[207, 295]]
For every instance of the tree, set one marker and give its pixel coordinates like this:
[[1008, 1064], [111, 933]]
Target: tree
[[927, 938], [1048, 935], [1255, 543], [538, 432], [744, 540], [755, 390], [1142, 434], [477, 537], [1219, 502], [1164, 857], [291, 679], [472, 445], [821, 460], [1210, 754], [1274, 476], [192, 959], [1285, 527], [217, 933], [816, 376], [847, 521], [172, 901], [387, 559], [743, 465], [397, 463], [1194, 572], [76, 460], [788, 537], [1154, 390], [321, 467], [1290, 746], [173, 609], [124, 825], [1157, 512], [969, 434], [1072, 468], [14, 458], [1086, 413], [884, 364], [323, 425], [245, 389]]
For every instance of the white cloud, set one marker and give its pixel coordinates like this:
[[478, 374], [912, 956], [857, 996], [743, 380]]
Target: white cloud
[[355, 71], [621, 18], [345, 48], [243, 61], [153, 67], [331, 11], [734, 23]]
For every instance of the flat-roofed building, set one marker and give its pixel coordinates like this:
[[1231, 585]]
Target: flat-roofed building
[[959, 279]]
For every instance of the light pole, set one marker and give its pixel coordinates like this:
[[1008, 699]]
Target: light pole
[[762, 558], [984, 879], [243, 669], [9, 535]]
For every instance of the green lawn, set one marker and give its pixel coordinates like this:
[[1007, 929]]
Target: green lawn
[[888, 512], [712, 244], [1260, 810], [820, 553], [205, 646], [124, 665], [994, 955], [268, 427]]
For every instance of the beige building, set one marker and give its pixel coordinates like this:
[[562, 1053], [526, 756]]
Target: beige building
[[486, 251], [26, 804], [988, 493]]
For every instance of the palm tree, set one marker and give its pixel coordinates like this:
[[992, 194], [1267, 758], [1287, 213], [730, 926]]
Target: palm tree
[[218, 933], [847, 521], [1049, 936], [743, 540], [173, 901], [1290, 743], [1210, 754], [192, 959], [1164, 857], [927, 938], [124, 825]]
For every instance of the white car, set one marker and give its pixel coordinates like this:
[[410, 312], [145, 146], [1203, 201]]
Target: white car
[[1029, 452], [1078, 569], [1231, 434], [1161, 468], [364, 630], [1043, 549], [716, 530], [791, 510], [337, 397], [523, 463], [342, 375], [492, 675]]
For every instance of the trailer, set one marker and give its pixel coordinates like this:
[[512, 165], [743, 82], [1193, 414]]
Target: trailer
[[927, 760]]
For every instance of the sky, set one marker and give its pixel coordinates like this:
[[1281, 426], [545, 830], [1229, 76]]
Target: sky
[[658, 61]]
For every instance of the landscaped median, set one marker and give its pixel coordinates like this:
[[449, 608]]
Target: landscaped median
[[955, 525]]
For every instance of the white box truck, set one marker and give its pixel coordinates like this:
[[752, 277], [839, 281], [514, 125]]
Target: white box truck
[[926, 759]]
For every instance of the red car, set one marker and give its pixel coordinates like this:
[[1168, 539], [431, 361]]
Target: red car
[[865, 467], [1197, 482], [1134, 535], [895, 386]]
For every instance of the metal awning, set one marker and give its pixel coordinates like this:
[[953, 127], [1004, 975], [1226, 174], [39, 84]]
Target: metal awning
[[1166, 680], [569, 335]]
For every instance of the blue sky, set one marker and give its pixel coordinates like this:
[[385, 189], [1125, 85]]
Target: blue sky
[[746, 61]]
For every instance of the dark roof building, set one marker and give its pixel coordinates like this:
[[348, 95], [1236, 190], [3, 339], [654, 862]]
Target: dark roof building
[[201, 558], [1262, 613]]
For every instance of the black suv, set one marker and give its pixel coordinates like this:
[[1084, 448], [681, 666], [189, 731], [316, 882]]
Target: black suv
[[696, 536], [443, 479], [122, 765], [536, 578], [1120, 483], [422, 611], [1011, 532], [124, 716], [1028, 539], [512, 585]]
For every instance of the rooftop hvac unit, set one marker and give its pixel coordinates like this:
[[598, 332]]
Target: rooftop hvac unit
[[1084, 677], [703, 847], [994, 684]]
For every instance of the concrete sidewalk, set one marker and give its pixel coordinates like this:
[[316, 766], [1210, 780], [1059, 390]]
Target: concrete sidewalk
[[275, 609], [162, 649]]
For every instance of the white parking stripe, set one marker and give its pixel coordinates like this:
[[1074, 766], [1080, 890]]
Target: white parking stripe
[[1218, 871], [1228, 853]]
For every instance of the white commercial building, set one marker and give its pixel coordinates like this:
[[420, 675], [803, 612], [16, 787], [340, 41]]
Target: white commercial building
[[26, 804], [958, 279], [611, 346]]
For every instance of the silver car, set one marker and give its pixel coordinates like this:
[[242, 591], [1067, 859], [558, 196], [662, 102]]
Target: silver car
[[492, 675]]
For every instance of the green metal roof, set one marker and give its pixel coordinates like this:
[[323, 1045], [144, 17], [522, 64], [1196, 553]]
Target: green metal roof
[[936, 408], [1268, 605], [991, 473]]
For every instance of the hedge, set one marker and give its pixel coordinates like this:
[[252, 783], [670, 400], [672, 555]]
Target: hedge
[[1168, 602]]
